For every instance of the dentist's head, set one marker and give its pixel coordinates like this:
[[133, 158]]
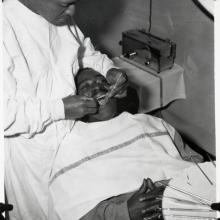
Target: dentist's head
[[56, 12]]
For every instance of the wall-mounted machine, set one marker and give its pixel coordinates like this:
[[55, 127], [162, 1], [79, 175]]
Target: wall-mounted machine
[[149, 50]]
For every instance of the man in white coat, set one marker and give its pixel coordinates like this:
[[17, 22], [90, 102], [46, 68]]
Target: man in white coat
[[41, 57]]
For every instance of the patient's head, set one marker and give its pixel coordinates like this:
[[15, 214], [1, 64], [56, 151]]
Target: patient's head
[[92, 84]]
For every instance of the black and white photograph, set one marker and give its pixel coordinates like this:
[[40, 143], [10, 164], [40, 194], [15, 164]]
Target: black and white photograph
[[109, 110]]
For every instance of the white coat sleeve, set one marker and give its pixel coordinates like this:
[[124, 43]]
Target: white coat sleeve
[[92, 58], [26, 116], [95, 59]]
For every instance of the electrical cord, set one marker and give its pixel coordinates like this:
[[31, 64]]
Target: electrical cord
[[150, 17], [81, 49]]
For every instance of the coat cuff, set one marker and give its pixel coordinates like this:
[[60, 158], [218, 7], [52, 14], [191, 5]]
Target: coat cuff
[[57, 110]]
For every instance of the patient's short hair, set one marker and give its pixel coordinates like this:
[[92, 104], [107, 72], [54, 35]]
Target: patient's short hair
[[80, 71]]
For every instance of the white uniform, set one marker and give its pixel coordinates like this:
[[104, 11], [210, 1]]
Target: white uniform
[[109, 158], [40, 61]]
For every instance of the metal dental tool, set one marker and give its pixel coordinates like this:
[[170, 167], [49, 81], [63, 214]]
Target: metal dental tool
[[187, 210], [174, 216], [182, 201], [210, 159], [201, 170], [194, 196]]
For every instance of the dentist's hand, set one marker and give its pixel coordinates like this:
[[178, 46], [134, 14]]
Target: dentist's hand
[[117, 76], [77, 106], [144, 205]]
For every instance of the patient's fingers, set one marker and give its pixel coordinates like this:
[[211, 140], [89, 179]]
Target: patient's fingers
[[151, 209], [152, 195], [162, 182], [154, 212], [155, 216], [143, 187], [147, 198], [150, 184]]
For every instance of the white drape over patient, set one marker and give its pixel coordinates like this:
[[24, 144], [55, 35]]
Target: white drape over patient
[[109, 158]]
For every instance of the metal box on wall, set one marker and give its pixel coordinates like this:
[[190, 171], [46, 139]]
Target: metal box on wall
[[149, 50]]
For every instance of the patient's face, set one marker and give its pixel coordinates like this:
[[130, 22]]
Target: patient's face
[[92, 84]]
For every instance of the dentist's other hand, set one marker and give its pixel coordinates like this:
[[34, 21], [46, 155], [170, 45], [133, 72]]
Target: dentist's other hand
[[119, 78], [77, 106]]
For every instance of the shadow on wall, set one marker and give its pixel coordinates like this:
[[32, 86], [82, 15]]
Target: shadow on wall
[[205, 11], [96, 17]]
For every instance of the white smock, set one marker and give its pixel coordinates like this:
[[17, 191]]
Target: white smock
[[109, 158], [40, 61]]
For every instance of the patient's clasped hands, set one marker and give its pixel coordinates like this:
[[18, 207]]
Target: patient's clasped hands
[[145, 203]]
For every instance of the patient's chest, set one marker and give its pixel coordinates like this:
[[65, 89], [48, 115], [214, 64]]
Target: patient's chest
[[112, 162], [112, 155]]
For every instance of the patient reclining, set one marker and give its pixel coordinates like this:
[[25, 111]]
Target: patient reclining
[[111, 154]]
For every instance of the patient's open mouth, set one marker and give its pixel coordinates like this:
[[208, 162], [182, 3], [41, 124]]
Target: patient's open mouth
[[101, 99], [100, 95]]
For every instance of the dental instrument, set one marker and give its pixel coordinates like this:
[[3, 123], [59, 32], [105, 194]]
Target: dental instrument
[[109, 94], [194, 196]]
